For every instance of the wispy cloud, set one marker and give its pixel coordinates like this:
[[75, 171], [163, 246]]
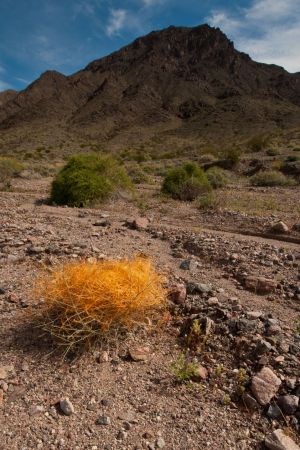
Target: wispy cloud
[[116, 21], [269, 30], [2, 70], [22, 80]]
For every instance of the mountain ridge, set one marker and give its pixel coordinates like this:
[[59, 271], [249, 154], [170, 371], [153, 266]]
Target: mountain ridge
[[179, 77]]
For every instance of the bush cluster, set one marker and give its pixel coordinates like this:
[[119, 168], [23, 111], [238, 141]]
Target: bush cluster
[[9, 168], [217, 177], [270, 178], [88, 179], [186, 182]]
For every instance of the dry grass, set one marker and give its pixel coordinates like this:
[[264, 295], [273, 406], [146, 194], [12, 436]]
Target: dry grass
[[85, 301]]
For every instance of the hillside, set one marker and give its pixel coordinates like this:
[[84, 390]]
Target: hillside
[[187, 82]]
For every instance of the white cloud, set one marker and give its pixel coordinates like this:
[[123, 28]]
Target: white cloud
[[269, 30], [148, 3], [116, 21], [4, 86]]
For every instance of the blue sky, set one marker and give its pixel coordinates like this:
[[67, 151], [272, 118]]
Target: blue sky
[[65, 35]]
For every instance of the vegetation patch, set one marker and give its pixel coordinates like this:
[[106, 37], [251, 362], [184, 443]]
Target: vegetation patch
[[87, 180], [186, 182], [9, 168], [85, 301], [217, 177], [270, 178]]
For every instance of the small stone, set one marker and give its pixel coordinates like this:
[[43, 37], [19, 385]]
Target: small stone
[[177, 294], [254, 314], [250, 402], [140, 223], [198, 288], [274, 412], [34, 410], [103, 357], [213, 301], [189, 264], [278, 440], [103, 420], [2, 291], [279, 227], [138, 354], [265, 385], [160, 443], [288, 404], [127, 416], [121, 435], [66, 406], [200, 373]]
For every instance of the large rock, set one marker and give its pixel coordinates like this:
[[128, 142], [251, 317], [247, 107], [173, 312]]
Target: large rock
[[259, 285], [279, 227], [288, 404], [140, 223], [278, 440], [265, 385]]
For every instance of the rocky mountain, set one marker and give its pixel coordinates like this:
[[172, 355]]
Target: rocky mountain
[[7, 95], [189, 81]]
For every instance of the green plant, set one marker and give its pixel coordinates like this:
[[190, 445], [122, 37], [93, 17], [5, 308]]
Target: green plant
[[186, 183], [88, 179], [258, 143], [195, 337], [183, 369], [217, 177], [232, 156], [137, 174], [270, 178], [206, 201], [9, 168]]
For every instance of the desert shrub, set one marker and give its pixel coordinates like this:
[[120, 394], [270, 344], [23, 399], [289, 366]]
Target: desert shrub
[[270, 178], [85, 301], [206, 201], [186, 183], [258, 143], [232, 156], [184, 369], [293, 158], [9, 168], [272, 152], [217, 177], [88, 179], [206, 158], [137, 174]]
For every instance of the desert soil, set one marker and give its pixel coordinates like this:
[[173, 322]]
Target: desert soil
[[125, 404]]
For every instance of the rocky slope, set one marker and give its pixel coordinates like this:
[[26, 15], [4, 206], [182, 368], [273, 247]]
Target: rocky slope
[[188, 80]]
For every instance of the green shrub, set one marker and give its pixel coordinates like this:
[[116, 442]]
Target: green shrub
[[88, 179], [232, 156], [206, 201], [258, 143], [270, 178], [9, 168], [217, 177], [272, 152], [137, 174], [293, 158], [186, 183]]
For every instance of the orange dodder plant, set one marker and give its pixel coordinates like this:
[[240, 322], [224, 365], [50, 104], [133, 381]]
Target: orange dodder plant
[[84, 300]]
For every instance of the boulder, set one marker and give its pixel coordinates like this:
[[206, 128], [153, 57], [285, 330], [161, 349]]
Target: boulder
[[278, 440], [265, 385]]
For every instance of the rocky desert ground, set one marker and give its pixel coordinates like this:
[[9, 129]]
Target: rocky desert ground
[[243, 287]]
